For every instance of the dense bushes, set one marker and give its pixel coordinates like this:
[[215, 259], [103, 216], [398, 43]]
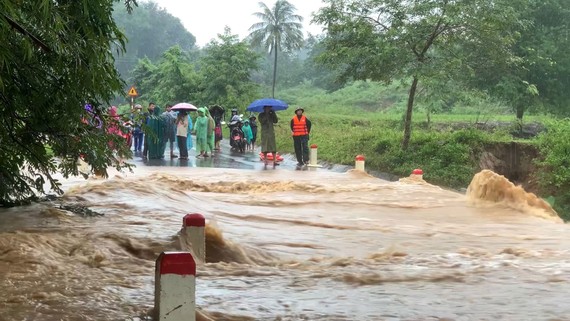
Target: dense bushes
[[447, 158], [554, 165]]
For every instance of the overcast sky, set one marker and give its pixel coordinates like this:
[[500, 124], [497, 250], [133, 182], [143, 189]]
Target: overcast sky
[[206, 19]]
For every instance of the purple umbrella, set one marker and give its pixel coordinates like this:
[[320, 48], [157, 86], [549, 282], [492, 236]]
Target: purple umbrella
[[185, 107]]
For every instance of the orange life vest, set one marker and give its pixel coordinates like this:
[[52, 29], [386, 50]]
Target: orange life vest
[[300, 126]]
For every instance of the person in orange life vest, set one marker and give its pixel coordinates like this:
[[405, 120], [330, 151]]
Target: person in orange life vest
[[300, 129]]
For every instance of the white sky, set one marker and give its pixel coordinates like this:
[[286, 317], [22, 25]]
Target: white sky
[[205, 19]]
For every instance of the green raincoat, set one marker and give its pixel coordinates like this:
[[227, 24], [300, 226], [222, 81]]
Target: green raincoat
[[211, 129], [266, 120], [156, 140], [247, 133], [201, 128]]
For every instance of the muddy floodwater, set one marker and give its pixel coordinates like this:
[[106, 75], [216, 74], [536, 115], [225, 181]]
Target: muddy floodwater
[[289, 245]]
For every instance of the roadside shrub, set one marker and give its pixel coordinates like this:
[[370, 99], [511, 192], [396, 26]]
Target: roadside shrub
[[554, 173]]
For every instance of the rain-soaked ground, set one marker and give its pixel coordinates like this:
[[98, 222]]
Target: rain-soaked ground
[[249, 160], [225, 158]]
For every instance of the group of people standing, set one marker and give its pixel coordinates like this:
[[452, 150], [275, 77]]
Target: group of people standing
[[176, 127], [172, 127]]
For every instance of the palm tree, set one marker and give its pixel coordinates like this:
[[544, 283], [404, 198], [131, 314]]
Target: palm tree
[[279, 29]]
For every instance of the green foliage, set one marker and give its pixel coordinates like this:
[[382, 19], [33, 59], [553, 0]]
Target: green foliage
[[225, 70], [554, 174], [279, 29], [389, 102], [55, 58], [172, 79], [537, 79], [319, 75], [448, 158], [390, 40], [149, 30], [220, 76]]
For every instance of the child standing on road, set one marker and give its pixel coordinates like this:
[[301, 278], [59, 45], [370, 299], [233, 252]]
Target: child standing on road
[[248, 135]]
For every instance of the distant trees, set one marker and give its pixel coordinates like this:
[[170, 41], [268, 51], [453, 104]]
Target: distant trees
[[386, 40], [150, 31], [221, 75], [225, 69], [539, 76], [280, 29], [172, 78]]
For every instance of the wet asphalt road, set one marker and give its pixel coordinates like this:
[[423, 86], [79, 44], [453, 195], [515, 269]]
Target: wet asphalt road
[[249, 160], [226, 158]]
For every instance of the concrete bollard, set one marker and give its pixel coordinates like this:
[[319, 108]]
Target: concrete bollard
[[175, 287], [418, 173], [194, 226], [313, 157], [359, 163]]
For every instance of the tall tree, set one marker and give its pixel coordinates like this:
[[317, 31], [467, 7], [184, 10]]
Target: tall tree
[[540, 76], [55, 57], [384, 40], [172, 79], [279, 29], [226, 70]]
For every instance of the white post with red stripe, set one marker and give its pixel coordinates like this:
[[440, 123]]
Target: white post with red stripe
[[193, 227], [175, 287], [313, 157], [418, 173], [359, 163]]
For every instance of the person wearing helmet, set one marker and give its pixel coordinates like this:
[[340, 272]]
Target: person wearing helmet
[[235, 117], [300, 130]]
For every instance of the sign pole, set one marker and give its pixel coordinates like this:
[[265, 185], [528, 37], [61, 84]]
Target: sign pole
[[133, 93]]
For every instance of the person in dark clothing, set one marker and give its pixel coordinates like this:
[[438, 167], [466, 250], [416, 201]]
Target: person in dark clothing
[[267, 120], [137, 131], [147, 115], [253, 125], [170, 119], [300, 130]]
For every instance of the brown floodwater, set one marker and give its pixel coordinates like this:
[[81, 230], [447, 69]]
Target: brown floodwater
[[290, 245]]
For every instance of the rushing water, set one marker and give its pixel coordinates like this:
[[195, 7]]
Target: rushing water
[[290, 245]]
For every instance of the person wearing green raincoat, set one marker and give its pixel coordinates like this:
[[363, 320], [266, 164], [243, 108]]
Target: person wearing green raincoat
[[156, 141], [211, 129], [247, 134], [267, 120], [201, 130]]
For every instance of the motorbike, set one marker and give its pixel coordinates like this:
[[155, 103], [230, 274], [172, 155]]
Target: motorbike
[[237, 137]]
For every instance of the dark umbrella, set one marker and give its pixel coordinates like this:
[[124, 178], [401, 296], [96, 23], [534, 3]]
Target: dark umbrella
[[217, 111], [276, 104]]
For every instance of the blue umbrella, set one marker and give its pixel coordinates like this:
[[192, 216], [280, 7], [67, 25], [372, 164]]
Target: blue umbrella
[[276, 104]]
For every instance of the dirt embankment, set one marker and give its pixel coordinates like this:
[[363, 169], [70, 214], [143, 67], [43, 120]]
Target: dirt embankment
[[515, 161]]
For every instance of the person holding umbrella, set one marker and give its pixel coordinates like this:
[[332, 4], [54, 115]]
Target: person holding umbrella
[[300, 130], [182, 125], [267, 119]]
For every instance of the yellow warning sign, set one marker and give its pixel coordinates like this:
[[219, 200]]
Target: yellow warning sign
[[133, 92]]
